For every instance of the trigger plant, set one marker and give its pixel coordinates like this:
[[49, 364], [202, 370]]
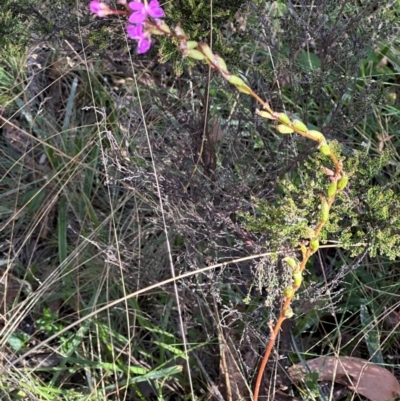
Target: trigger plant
[[145, 20]]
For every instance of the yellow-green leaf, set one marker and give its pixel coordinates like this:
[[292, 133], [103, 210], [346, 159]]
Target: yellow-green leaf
[[265, 114], [193, 53], [284, 129], [299, 125]]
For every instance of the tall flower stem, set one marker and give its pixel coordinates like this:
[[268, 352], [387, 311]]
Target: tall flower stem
[[139, 14]]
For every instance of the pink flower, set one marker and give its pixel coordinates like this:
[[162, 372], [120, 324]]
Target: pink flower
[[142, 10], [143, 38], [99, 8]]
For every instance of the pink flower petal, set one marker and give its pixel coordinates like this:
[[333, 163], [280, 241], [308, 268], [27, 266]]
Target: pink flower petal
[[154, 9], [136, 5], [137, 18], [94, 6], [135, 32], [143, 46], [139, 12], [99, 8]]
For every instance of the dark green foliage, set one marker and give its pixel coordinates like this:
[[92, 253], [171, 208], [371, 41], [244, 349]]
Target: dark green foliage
[[13, 25], [317, 58], [364, 214], [370, 212], [200, 24], [319, 51], [26, 21]]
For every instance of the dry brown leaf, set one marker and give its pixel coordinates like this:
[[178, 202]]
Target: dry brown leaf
[[382, 140], [361, 376]]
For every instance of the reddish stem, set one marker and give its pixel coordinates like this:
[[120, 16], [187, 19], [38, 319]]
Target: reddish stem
[[268, 351]]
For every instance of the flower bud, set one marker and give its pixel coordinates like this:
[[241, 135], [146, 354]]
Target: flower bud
[[283, 118], [163, 26], [297, 279], [299, 125], [193, 53], [191, 44], [206, 51], [284, 129], [332, 188], [220, 63], [179, 31], [234, 80], [238, 82], [325, 149], [245, 89], [314, 244], [316, 136], [342, 182], [265, 114], [291, 262], [288, 292], [99, 8], [289, 313], [324, 210]]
